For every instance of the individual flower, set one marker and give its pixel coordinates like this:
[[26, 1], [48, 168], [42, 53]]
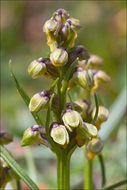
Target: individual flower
[[74, 23], [37, 68], [102, 115], [87, 128], [83, 78], [59, 134], [71, 119], [38, 101], [50, 26], [79, 52], [31, 136], [93, 62], [84, 107], [59, 57], [94, 147], [61, 14]]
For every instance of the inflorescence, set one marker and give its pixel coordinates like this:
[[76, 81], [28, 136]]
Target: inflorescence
[[72, 120]]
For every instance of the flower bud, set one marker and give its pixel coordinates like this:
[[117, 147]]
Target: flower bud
[[59, 57], [102, 115], [30, 137], [74, 23], [59, 134], [5, 138], [79, 51], [71, 119], [37, 68], [63, 14], [65, 32], [83, 78], [38, 101], [50, 26], [95, 145]]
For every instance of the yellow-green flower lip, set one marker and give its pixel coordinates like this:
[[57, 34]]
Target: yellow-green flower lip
[[71, 119], [60, 134]]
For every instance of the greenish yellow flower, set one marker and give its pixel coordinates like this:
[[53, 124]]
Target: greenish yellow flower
[[101, 76], [60, 134], [87, 129], [59, 57], [38, 101], [37, 68], [74, 23], [50, 25], [29, 137], [95, 145], [102, 115], [83, 78], [84, 107], [62, 15], [71, 119], [95, 62]]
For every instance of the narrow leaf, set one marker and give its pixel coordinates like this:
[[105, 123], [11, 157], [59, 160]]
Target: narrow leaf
[[115, 185], [101, 160], [15, 166], [23, 94], [97, 106], [54, 84]]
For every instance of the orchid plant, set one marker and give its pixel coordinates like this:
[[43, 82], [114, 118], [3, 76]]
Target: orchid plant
[[74, 123]]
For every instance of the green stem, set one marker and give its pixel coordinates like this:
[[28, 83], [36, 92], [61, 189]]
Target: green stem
[[88, 166], [18, 184], [100, 157], [18, 170], [63, 170], [115, 185], [67, 77]]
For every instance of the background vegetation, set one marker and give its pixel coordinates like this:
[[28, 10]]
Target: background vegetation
[[103, 33]]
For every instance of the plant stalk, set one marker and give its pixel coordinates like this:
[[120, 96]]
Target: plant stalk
[[88, 167], [63, 170]]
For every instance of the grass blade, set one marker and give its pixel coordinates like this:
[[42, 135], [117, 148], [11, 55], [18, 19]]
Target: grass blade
[[23, 94], [15, 166]]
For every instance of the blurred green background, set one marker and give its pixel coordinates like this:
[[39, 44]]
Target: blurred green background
[[103, 33]]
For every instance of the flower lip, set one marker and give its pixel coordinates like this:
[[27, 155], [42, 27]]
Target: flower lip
[[71, 119]]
